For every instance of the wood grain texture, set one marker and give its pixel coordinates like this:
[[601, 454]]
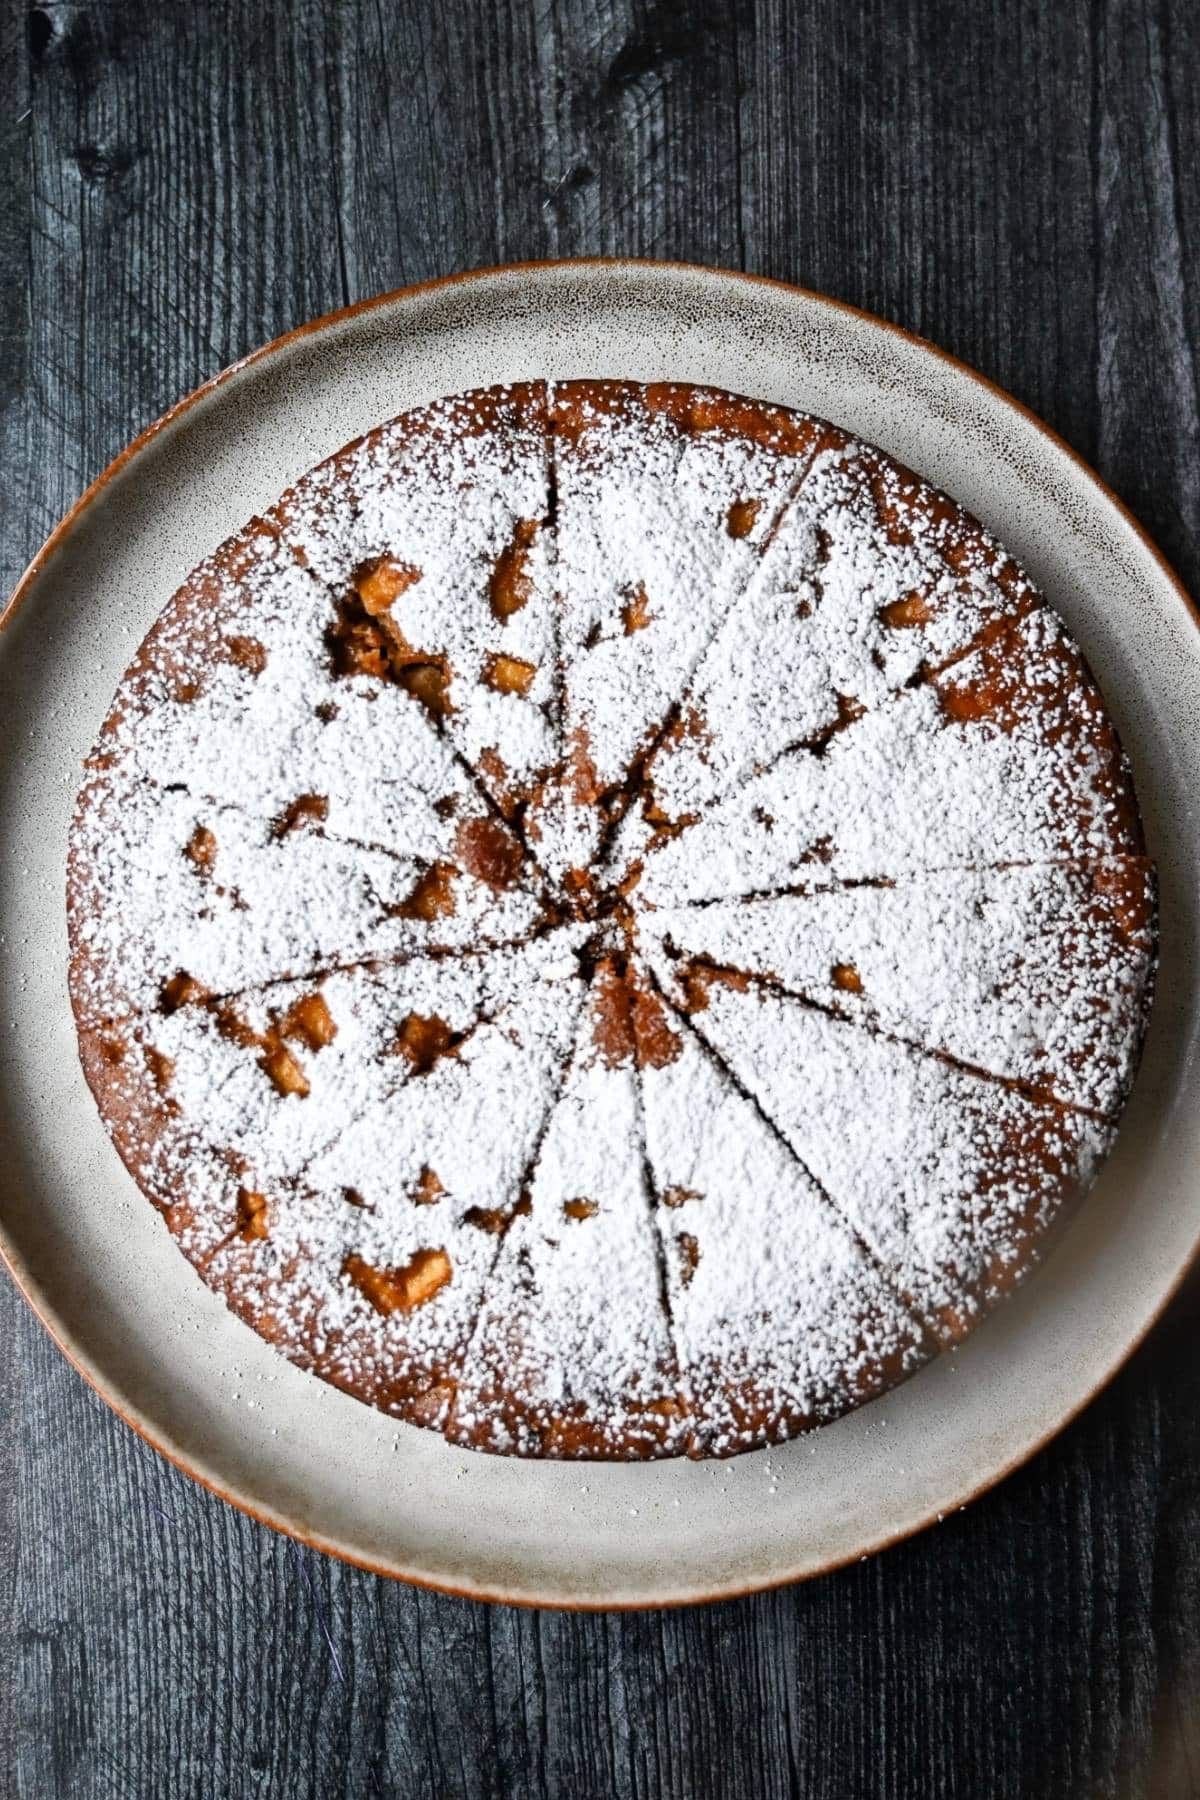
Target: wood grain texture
[[1018, 182]]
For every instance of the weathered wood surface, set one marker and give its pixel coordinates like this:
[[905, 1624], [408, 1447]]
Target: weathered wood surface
[[1017, 181]]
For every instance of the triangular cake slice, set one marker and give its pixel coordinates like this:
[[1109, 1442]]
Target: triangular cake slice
[[369, 1266], [666, 495], [287, 1076], [953, 1181], [243, 694], [434, 533], [171, 893], [1006, 756], [1037, 974], [573, 1354], [871, 579], [782, 1319]]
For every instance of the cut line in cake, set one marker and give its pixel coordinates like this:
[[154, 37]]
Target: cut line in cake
[[950, 964], [959, 1179], [752, 1238]]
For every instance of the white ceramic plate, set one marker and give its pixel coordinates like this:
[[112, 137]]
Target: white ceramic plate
[[99, 1267]]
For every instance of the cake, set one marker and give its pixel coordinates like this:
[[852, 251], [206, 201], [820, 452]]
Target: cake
[[611, 922]]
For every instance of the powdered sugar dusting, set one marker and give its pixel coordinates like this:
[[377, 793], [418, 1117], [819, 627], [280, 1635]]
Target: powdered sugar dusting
[[1005, 757], [955, 1179], [457, 499], [610, 922], [548, 1366], [1032, 973], [763, 1320]]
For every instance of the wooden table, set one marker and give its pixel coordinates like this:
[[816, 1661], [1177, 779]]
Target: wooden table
[[1016, 181]]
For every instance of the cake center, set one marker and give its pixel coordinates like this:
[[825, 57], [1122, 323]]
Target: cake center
[[614, 936]]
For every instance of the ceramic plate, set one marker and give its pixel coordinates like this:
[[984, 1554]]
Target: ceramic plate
[[99, 1267]]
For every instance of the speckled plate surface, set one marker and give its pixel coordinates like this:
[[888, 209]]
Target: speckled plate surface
[[100, 1268]]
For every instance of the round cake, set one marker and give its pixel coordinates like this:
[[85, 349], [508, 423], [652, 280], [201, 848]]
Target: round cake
[[612, 922]]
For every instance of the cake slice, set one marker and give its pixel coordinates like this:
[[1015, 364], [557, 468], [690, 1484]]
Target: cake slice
[[781, 1317], [433, 534], [870, 580], [277, 1076], [666, 496], [1008, 755], [168, 889], [572, 1354], [435, 1165], [951, 1180], [1036, 974]]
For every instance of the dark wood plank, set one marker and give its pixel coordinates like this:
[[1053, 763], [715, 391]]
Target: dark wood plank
[[14, 350], [1018, 183]]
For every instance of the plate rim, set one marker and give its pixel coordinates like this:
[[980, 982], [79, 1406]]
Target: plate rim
[[22, 1277]]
